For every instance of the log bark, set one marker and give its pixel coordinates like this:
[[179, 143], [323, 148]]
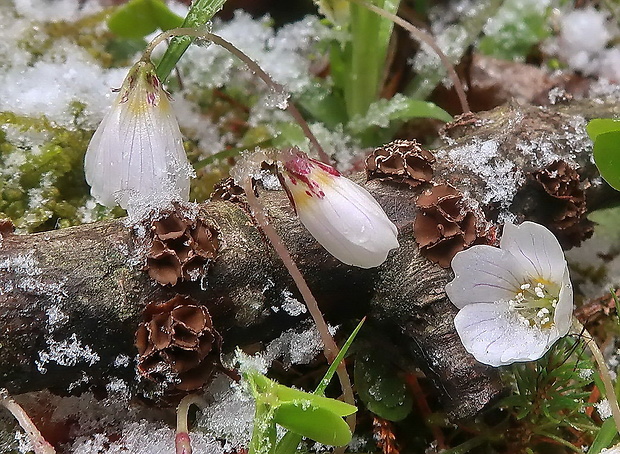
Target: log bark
[[70, 300]]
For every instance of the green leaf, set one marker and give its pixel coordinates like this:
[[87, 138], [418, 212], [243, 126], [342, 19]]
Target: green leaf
[[316, 423], [320, 389], [607, 221], [296, 396], [201, 12], [380, 387], [604, 437], [607, 157], [138, 18], [399, 108], [601, 126]]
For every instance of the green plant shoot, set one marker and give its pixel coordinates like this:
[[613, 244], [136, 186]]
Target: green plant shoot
[[304, 414]]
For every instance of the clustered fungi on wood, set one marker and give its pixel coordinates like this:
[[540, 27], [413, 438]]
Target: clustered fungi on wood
[[401, 161], [567, 200], [181, 249], [105, 289], [229, 191], [178, 347], [445, 224]]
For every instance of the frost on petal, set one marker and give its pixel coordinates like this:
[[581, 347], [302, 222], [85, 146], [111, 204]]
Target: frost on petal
[[536, 249], [483, 274], [136, 156], [496, 336]]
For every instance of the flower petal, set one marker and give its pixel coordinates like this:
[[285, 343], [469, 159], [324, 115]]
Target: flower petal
[[536, 249], [495, 336], [136, 155], [563, 317], [483, 274], [349, 223]]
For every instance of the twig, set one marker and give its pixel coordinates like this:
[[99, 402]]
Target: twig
[[421, 35]]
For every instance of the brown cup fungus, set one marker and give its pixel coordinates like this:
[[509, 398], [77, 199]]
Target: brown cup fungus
[[444, 224], [401, 161], [178, 347], [182, 249]]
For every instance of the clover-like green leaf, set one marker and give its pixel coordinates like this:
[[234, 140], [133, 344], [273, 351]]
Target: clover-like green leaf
[[607, 156], [380, 387], [602, 125], [316, 423]]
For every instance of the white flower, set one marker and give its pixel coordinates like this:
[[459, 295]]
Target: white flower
[[136, 156], [343, 217], [515, 301]]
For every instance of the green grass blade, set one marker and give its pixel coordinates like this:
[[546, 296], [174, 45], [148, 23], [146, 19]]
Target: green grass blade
[[201, 12]]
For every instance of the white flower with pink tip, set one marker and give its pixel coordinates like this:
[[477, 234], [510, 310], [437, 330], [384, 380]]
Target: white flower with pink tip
[[341, 215], [136, 156], [515, 301]]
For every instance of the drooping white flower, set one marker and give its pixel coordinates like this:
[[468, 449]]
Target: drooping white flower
[[343, 217], [136, 155], [515, 301]]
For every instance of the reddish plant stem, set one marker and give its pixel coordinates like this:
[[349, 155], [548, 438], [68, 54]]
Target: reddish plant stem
[[39, 444], [330, 348], [254, 68]]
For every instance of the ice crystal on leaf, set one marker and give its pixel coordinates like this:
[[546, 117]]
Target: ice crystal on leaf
[[136, 156], [515, 301]]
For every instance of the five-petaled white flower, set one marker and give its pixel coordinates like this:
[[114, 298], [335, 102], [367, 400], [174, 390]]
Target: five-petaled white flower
[[136, 155], [343, 217], [515, 301]]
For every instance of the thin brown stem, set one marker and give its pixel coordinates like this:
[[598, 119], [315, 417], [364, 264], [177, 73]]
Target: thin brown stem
[[426, 38], [39, 444], [603, 371], [254, 68], [330, 348]]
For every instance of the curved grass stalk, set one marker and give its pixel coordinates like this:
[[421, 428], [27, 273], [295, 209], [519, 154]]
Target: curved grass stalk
[[181, 440], [427, 39], [254, 68]]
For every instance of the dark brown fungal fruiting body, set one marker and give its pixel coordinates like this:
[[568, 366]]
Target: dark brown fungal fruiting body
[[445, 224], [401, 161], [228, 190], [178, 347], [182, 248], [567, 201], [6, 227]]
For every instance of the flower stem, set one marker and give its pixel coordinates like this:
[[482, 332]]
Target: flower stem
[[39, 444], [427, 39], [330, 347], [181, 440], [604, 371], [254, 68]]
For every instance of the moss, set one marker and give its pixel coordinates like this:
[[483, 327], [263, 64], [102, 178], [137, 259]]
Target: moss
[[44, 186]]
